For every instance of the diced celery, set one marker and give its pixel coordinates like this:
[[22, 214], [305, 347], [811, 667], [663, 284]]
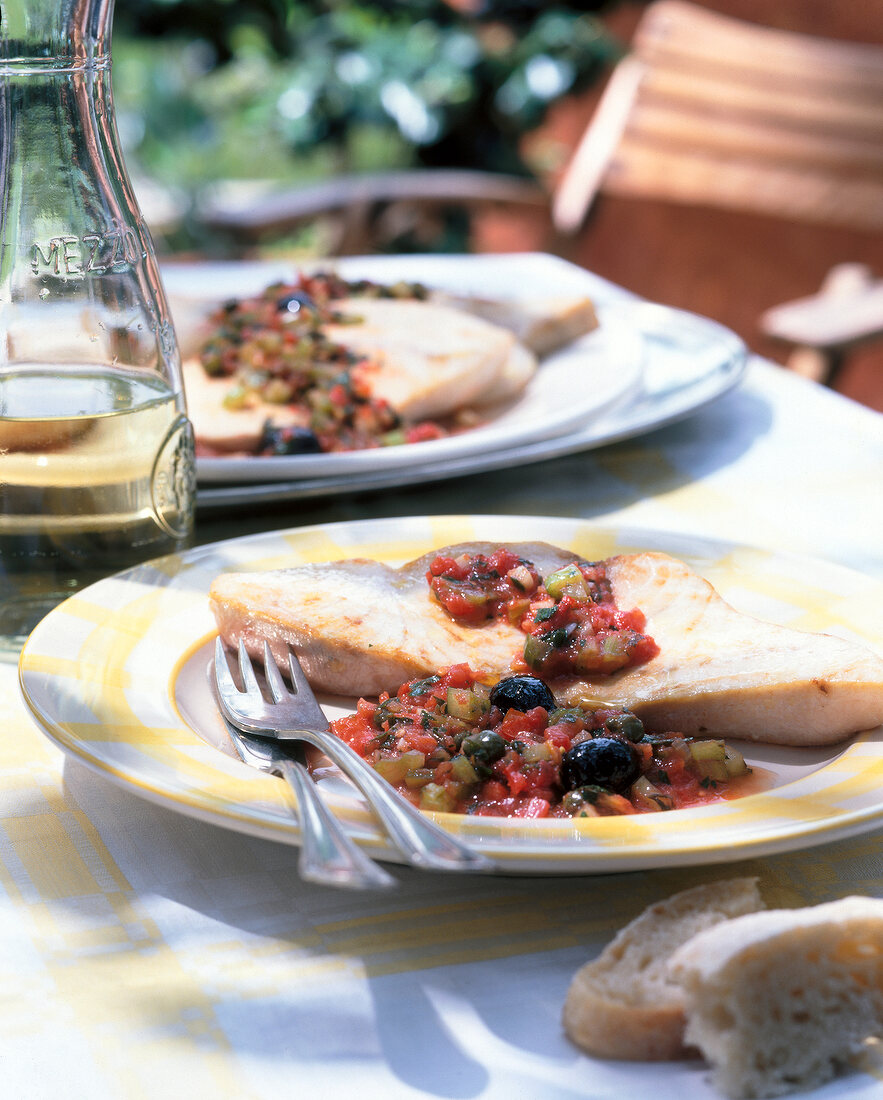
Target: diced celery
[[536, 650], [457, 791], [462, 770], [709, 759], [516, 610], [238, 398], [614, 645], [735, 762], [419, 777], [392, 770], [522, 578], [534, 753], [468, 704], [588, 658], [436, 798], [413, 758], [568, 581]]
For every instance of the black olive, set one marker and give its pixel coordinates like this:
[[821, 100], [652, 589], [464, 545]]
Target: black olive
[[521, 693], [484, 746], [294, 302], [288, 441], [626, 725], [605, 761]]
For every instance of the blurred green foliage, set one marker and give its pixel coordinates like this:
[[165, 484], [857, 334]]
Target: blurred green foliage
[[293, 90]]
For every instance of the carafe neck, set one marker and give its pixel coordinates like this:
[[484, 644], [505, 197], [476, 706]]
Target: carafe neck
[[55, 34]]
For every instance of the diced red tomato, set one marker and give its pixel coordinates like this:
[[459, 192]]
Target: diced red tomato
[[533, 807], [357, 732]]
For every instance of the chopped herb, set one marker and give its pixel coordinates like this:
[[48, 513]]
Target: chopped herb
[[423, 687]]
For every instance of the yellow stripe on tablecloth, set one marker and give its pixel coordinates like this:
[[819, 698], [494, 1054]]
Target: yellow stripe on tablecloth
[[106, 979], [53, 864]]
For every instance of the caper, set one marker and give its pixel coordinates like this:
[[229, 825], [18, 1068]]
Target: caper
[[626, 725], [485, 746]]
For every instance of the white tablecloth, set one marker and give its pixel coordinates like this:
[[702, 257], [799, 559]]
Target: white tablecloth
[[147, 955]]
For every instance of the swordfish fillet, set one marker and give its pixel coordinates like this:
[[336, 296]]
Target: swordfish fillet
[[361, 627], [427, 360]]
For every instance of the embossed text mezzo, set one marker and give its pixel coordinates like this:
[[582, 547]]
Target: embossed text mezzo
[[116, 249]]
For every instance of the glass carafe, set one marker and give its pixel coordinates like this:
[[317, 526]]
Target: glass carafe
[[96, 452]]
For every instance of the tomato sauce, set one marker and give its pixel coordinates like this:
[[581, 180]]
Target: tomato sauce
[[571, 621], [274, 350], [451, 743]]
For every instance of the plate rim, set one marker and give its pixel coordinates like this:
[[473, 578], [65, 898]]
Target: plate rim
[[156, 580]]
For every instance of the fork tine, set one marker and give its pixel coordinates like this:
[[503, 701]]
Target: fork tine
[[298, 679], [302, 696], [226, 683], [249, 680], [274, 677]]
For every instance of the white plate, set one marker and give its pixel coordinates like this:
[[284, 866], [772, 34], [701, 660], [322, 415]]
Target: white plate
[[572, 388], [116, 677], [689, 361]]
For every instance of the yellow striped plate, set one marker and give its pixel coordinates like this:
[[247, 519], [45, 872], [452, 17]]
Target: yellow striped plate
[[116, 676]]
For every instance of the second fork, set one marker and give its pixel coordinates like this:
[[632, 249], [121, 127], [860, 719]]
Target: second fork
[[295, 716]]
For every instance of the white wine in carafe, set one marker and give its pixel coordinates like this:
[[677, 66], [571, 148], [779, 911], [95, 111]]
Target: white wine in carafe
[[85, 495]]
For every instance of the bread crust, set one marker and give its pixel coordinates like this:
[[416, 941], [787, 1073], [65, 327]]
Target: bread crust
[[623, 1004]]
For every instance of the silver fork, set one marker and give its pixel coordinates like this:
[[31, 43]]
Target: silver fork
[[296, 716], [327, 854]]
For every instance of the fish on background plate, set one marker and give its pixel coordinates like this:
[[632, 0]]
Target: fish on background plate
[[408, 358]]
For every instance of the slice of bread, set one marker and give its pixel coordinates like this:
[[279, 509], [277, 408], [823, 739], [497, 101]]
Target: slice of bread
[[775, 1000], [542, 323], [624, 1004]]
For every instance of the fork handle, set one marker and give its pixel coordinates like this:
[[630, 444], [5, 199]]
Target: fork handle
[[422, 842], [327, 855]]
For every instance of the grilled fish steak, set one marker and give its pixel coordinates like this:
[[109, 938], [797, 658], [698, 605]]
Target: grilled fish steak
[[427, 360], [360, 627]]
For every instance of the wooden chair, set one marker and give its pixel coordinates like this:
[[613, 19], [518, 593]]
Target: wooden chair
[[366, 213], [707, 109], [709, 112]]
